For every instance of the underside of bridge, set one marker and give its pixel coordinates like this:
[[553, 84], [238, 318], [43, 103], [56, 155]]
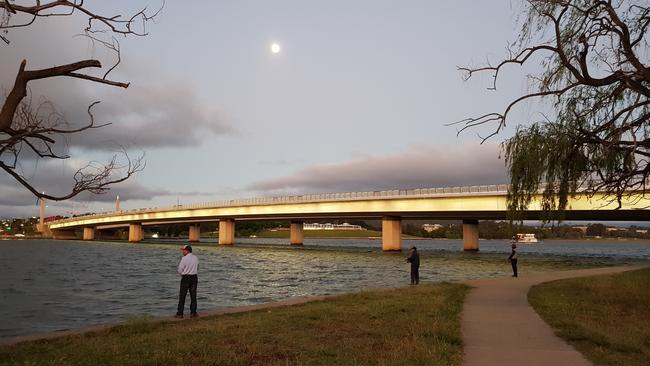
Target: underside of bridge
[[391, 233], [460, 204]]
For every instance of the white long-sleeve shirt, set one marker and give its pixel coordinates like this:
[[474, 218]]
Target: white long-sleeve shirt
[[189, 265]]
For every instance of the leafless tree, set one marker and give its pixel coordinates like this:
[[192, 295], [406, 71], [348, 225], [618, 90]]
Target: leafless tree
[[596, 77], [30, 129]]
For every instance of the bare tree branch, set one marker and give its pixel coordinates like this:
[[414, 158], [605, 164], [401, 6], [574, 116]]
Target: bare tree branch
[[596, 76], [34, 130]]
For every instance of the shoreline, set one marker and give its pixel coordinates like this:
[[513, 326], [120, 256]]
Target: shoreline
[[298, 300], [184, 239]]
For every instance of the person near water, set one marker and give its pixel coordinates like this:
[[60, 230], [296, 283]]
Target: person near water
[[188, 269], [414, 259], [513, 260]]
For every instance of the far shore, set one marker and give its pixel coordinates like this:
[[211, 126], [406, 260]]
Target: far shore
[[340, 234]]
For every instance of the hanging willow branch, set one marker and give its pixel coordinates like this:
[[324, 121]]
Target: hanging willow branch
[[596, 76]]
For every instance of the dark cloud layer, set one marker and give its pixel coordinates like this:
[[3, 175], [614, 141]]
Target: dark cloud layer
[[155, 111], [148, 116], [419, 167]]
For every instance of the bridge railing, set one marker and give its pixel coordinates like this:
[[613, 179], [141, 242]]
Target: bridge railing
[[312, 198]]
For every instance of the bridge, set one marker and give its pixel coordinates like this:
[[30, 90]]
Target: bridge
[[469, 204]]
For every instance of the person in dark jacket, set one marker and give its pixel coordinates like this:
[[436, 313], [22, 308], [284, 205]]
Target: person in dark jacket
[[513, 260], [414, 259]]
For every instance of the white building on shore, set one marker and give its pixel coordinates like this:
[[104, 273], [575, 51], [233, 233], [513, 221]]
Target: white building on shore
[[329, 226], [431, 227]]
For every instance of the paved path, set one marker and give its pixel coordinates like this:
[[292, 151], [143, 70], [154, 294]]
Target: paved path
[[500, 328]]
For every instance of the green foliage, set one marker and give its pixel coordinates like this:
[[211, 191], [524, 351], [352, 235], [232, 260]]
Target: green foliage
[[538, 154], [245, 229], [596, 230], [594, 94]]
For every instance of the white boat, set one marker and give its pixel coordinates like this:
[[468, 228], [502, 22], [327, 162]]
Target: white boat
[[524, 239]]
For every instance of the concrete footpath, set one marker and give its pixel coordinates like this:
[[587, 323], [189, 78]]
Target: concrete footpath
[[500, 327]]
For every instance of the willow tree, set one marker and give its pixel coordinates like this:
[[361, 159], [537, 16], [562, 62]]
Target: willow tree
[[31, 131], [595, 80]]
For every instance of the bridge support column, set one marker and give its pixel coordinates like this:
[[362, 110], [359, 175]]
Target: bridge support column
[[226, 232], [89, 233], [297, 235], [470, 235], [195, 233], [136, 233], [45, 231], [391, 234]]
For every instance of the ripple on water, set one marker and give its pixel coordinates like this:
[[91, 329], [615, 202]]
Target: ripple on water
[[57, 285]]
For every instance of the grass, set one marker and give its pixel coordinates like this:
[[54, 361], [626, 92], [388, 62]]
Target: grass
[[417, 325], [308, 234], [607, 318], [322, 234], [329, 234]]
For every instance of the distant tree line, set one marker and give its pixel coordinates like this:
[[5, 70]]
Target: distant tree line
[[9, 227], [504, 230]]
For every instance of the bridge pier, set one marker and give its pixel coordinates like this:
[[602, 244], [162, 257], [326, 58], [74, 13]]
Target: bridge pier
[[89, 233], [470, 235], [391, 234], [195, 233], [297, 236], [136, 233], [226, 231]]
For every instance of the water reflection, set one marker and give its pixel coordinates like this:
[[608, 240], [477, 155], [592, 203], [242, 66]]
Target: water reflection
[[53, 285]]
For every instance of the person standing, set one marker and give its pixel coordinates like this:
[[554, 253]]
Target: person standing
[[414, 259], [513, 260], [188, 269]]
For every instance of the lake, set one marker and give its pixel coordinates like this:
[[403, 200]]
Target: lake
[[48, 285]]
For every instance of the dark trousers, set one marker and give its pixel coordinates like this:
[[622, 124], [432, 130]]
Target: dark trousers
[[415, 276], [513, 262], [188, 282]]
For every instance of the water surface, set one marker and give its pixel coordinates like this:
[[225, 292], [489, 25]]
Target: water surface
[[48, 285]]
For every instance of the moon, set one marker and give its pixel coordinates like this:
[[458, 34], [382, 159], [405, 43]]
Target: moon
[[275, 48]]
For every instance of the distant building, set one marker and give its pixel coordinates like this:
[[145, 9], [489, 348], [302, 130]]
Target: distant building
[[581, 228], [53, 218], [610, 229], [431, 227], [329, 226]]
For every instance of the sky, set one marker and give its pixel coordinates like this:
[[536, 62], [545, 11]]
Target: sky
[[360, 98]]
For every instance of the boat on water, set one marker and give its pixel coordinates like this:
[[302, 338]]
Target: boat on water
[[524, 239]]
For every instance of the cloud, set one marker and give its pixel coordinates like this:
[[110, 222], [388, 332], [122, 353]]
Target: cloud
[[418, 167], [150, 116], [156, 111], [13, 195], [55, 178]]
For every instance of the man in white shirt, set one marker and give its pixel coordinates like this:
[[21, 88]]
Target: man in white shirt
[[188, 269]]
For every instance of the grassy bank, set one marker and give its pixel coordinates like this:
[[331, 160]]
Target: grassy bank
[[606, 318], [322, 234], [330, 234], [418, 325], [309, 234]]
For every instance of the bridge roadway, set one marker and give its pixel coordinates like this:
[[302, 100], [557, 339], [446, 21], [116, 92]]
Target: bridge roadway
[[469, 204]]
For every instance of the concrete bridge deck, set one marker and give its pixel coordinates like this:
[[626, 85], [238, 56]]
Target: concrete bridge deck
[[469, 204]]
